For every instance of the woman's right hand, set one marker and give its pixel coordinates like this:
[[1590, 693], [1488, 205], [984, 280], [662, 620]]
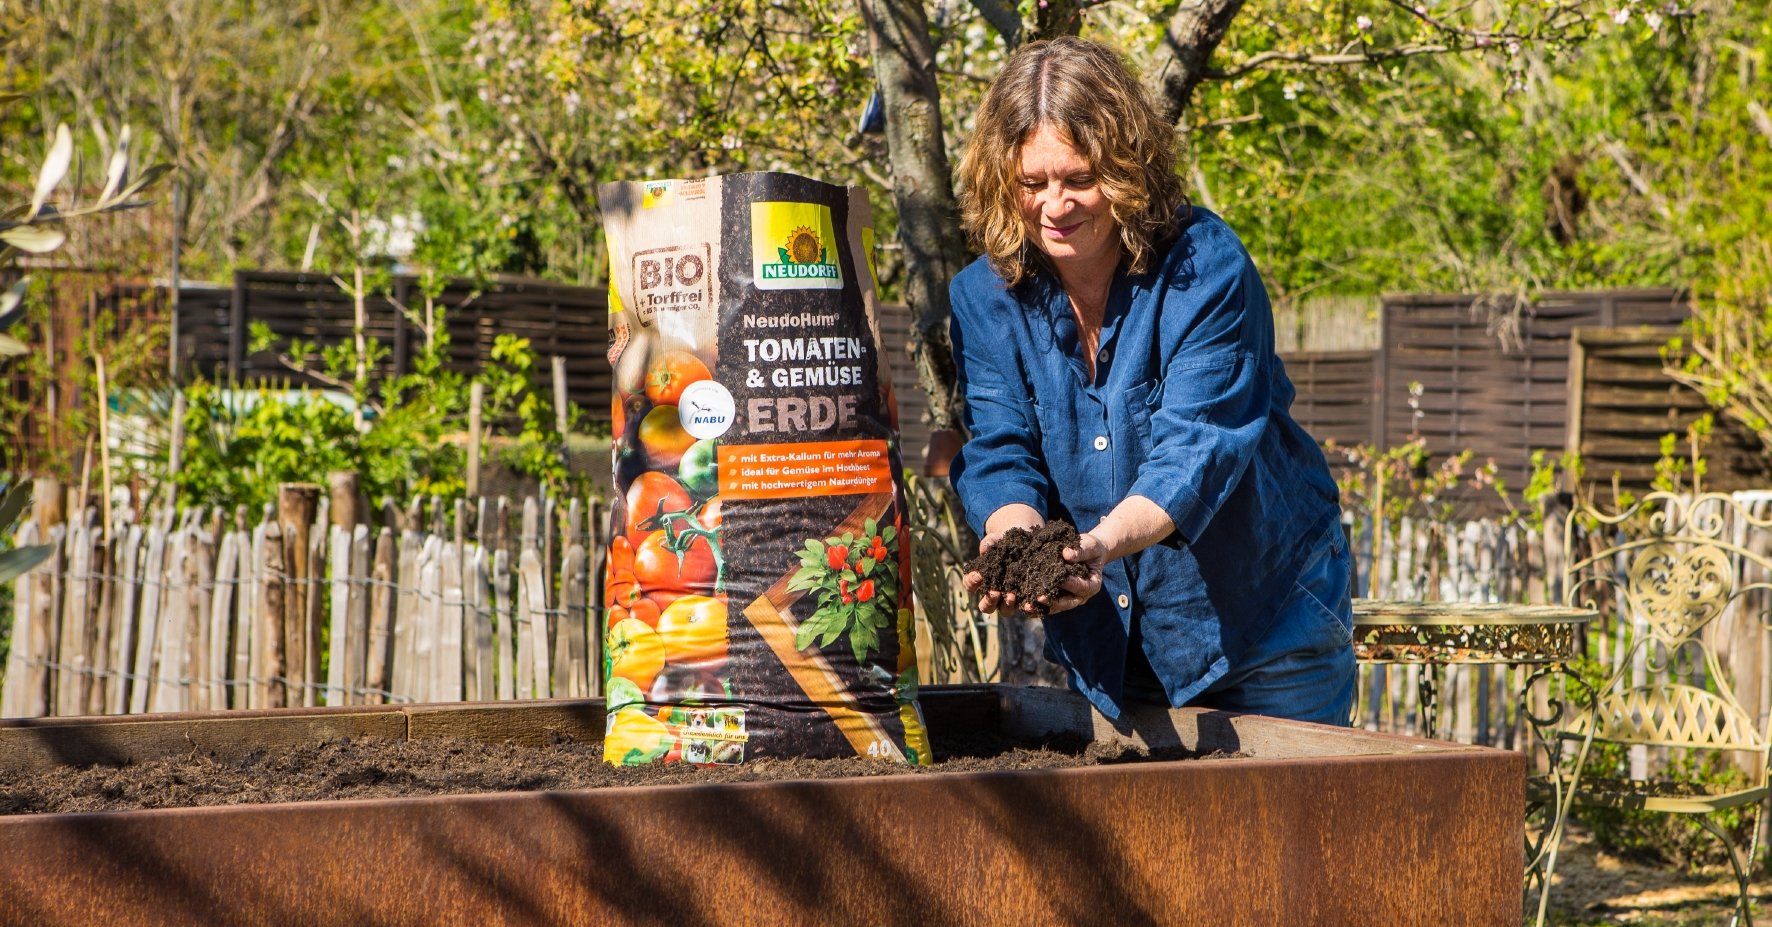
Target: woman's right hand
[[1009, 516]]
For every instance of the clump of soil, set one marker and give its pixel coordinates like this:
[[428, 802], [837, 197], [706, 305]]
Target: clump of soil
[[1030, 564], [343, 769]]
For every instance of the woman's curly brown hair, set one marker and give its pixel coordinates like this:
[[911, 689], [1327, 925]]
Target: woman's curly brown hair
[[1086, 91]]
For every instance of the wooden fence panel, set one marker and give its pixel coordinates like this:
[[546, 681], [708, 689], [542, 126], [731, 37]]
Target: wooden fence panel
[[1494, 373], [1335, 395], [1622, 404]]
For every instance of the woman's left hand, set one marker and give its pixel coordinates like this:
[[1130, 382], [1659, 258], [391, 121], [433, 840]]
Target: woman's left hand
[[1091, 552]]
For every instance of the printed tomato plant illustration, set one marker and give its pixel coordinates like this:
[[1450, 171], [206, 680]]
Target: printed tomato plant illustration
[[855, 580]]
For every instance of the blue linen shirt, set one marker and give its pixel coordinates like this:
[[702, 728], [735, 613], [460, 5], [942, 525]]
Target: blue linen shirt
[[1188, 408]]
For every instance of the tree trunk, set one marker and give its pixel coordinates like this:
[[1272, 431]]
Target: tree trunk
[[922, 189], [1189, 39]]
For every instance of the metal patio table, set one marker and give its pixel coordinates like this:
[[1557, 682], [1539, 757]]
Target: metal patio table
[[1434, 635]]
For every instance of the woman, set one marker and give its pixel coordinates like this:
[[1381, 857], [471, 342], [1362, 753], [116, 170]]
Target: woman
[[1115, 347]]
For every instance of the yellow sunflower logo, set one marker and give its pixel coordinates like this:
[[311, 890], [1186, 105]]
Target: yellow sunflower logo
[[804, 246]]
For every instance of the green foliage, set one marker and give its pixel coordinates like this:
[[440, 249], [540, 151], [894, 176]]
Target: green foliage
[[1432, 174], [1672, 471], [239, 445], [511, 396]]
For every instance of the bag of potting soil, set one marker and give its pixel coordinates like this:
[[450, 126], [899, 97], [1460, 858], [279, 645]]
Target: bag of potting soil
[[758, 596]]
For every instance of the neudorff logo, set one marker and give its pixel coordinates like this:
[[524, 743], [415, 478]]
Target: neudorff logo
[[654, 192], [794, 247]]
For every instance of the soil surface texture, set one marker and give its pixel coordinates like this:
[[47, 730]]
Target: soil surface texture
[[344, 769], [1030, 564]]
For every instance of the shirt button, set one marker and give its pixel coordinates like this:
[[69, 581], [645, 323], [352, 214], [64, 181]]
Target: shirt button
[[1102, 357], [1101, 442], [1123, 601]]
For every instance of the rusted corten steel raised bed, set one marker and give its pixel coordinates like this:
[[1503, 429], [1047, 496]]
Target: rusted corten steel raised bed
[[1319, 826]]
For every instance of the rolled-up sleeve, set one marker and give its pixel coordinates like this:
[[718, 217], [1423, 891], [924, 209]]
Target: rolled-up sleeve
[[1213, 407], [1001, 463]]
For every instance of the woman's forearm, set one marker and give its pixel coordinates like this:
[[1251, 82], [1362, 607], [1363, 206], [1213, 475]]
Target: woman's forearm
[[1133, 525]]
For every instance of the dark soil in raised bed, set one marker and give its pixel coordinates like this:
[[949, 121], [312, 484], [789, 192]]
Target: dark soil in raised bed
[[1030, 564], [392, 769]]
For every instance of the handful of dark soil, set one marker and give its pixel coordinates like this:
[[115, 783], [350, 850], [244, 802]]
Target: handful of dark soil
[[1030, 564]]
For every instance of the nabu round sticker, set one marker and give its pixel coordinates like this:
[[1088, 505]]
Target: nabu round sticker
[[705, 409]]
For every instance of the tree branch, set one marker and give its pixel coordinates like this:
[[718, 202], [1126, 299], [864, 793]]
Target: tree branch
[[1621, 157], [1003, 17], [1306, 59], [1761, 120]]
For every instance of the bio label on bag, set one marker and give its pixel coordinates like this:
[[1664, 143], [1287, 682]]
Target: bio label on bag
[[758, 586]]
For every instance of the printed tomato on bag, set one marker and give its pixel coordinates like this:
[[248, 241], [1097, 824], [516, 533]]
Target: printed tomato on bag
[[755, 600]]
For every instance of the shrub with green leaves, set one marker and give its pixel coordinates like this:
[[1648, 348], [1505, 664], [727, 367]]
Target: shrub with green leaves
[[240, 444]]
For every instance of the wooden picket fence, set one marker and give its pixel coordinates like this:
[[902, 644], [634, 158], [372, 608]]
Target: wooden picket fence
[[445, 601], [483, 599], [204, 612]]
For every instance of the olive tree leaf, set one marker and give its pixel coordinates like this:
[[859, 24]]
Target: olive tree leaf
[[55, 167], [35, 239], [12, 303], [118, 169], [145, 179], [10, 346], [14, 563], [14, 504]]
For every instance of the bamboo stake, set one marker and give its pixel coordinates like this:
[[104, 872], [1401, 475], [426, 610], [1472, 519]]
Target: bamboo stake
[[476, 400]]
